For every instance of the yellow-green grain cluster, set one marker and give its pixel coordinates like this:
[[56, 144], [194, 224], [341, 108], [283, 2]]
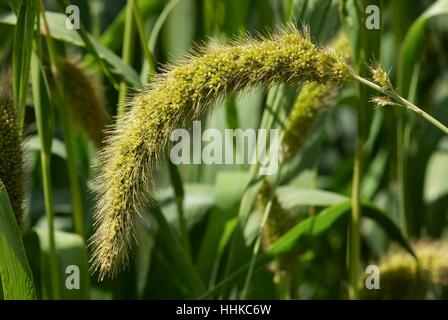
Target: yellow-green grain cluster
[[86, 101], [182, 94], [380, 76], [11, 156], [402, 278], [312, 99], [278, 223]]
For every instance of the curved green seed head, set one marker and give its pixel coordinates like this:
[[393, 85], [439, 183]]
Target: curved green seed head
[[182, 94]]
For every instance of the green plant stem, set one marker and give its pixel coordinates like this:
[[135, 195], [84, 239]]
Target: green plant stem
[[45, 131], [126, 54], [48, 198], [153, 39], [354, 235], [401, 176], [403, 102], [75, 189], [45, 157], [256, 249], [176, 182], [147, 52], [90, 47]]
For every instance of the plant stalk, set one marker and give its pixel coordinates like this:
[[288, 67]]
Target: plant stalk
[[126, 54], [75, 189], [48, 199], [403, 102]]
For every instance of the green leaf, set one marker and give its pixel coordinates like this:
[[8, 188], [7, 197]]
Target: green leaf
[[113, 35], [198, 200], [42, 107], [228, 196], [413, 45], [58, 31], [309, 230], [71, 252], [175, 252], [15, 273], [22, 48], [291, 197]]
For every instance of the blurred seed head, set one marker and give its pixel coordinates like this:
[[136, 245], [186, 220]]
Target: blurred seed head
[[86, 100], [279, 222], [402, 278], [312, 99]]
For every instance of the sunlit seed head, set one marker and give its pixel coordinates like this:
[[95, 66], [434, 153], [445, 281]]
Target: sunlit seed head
[[186, 92], [380, 76]]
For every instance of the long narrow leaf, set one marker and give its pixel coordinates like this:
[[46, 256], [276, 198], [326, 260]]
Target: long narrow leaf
[[15, 273]]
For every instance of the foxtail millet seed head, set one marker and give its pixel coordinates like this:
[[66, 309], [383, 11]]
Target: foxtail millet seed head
[[401, 276], [312, 99], [278, 223], [11, 156], [86, 100], [177, 97]]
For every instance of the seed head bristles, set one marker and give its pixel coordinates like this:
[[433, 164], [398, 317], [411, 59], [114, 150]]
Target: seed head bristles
[[86, 101], [183, 93], [11, 156]]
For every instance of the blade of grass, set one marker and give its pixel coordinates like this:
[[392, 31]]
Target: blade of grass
[[89, 44], [154, 36], [148, 54], [45, 129], [45, 126], [308, 231], [16, 280], [176, 182], [409, 68], [127, 52], [22, 47], [111, 37], [365, 44], [178, 256]]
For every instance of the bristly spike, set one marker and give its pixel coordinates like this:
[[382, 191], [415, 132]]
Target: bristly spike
[[176, 98], [11, 156]]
